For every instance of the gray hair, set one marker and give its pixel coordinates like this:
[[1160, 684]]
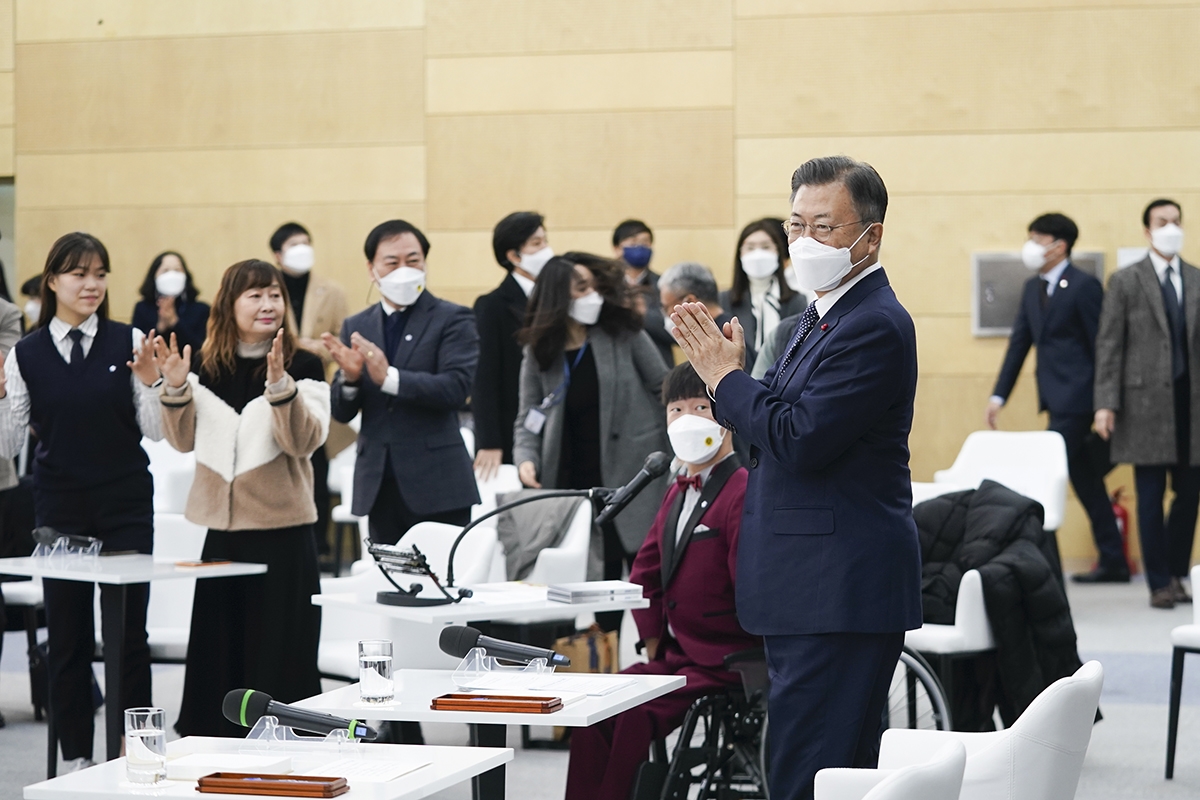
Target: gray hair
[[688, 277], [867, 192]]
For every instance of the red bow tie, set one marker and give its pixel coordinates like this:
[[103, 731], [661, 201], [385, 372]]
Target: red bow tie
[[695, 482]]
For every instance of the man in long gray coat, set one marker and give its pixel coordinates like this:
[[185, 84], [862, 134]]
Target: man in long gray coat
[[1148, 395]]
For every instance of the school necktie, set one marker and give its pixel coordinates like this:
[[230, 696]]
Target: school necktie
[[808, 321], [76, 349]]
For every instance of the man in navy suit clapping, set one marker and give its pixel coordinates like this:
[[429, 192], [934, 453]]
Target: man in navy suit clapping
[[1060, 314], [829, 567]]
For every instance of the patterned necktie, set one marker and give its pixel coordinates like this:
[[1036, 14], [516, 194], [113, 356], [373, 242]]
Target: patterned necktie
[[76, 349], [808, 321], [694, 482]]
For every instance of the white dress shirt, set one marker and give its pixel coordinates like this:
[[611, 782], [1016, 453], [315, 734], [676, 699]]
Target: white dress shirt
[[1160, 265], [1053, 276], [14, 406], [826, 301], [525, 284], [691, 496], [391, 384]]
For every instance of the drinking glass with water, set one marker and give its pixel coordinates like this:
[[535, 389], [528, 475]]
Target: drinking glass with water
[[145, 745], [375, 671]]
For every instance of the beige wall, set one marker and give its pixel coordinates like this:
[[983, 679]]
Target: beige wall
[[200, 125]]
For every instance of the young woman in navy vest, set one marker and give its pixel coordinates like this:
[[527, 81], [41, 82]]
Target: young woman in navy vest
[[253, 407], [89, 388]]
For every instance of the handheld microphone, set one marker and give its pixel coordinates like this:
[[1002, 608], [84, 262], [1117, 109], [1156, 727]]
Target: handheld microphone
[[457, 640], [655, 466], [245, 706]]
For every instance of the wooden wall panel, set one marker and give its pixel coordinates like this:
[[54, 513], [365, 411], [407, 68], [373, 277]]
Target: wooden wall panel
[[73, 20], [486, 27], [1079, 83], [589, 170], [244, 91], [557, 83], [748, 9]]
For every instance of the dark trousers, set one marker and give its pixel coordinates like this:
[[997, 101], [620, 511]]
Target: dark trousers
[[120, 514], [605, 756], [828, 692], [615, 561], [1087, 478], [390, 517], [1167, 544], [320, 466]]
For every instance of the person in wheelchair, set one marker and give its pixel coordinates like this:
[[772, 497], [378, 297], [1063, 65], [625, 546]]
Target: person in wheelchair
[[686, 568]]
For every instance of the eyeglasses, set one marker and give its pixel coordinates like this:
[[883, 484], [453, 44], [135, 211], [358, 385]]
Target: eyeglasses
[[794, 229]]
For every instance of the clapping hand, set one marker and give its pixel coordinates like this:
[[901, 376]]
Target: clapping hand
[[143, 364], [173, 366], [373, 357], [714, 352], [275, 366], [349, 360]]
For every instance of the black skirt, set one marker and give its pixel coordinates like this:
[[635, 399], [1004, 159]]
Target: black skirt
[[253, 632]]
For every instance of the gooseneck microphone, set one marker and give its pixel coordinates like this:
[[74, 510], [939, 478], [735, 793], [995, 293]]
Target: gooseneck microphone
[[245, 707], [655, 466], [458, 640]]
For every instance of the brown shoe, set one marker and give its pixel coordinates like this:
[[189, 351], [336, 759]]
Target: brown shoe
[[1162, 598], [1178, 592]]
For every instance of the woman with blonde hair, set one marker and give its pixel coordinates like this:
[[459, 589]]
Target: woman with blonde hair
[[253, 407]]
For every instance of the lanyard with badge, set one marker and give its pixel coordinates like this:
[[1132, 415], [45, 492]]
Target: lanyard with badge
[[535, 418]]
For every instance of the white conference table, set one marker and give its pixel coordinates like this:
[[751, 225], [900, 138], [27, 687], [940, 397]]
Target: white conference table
[[491, 601], [416, 688], [446, 767], [114, 574]]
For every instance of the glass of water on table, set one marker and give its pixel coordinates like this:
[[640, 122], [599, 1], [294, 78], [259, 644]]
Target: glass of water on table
[[145, 745], [375, 671]]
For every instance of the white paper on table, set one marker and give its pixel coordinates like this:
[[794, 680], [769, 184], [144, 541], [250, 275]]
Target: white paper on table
[[195, 766], [368, 770]]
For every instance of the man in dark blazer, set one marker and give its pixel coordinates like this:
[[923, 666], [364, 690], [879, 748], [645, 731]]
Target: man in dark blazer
[[407, 363], [1059, 314], [829, 566], [1148, 395], [522, 248], [687, 569], [633, 244]]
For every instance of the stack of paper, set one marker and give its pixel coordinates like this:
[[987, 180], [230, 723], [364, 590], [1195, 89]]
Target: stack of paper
[[592, 591]]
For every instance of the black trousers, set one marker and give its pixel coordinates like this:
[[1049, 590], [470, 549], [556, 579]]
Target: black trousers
[[120, 514], [1087, 478], [1167, 543], [828, 692], [390, 517], [615, 560], [320, 466]]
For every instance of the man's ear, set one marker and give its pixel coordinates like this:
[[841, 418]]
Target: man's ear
[[514, 258]]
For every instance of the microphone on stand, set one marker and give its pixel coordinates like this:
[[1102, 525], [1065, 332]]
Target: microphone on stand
[[245, 706], [458, 640], [655, 466]]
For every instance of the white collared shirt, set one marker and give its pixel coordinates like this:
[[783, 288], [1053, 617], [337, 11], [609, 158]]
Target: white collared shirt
[[15, 405], [1160, 265], [1054, 275], [691, 496], [391, 384], [826, 301], [525, 283]]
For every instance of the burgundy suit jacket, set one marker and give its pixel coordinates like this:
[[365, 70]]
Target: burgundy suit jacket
[[691, 584]]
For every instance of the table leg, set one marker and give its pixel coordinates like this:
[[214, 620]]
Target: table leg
[[489, 785], [112, 604]]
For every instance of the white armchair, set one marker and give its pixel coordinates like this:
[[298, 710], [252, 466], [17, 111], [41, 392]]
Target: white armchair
[[939, 779], [1184, 639], [1038, 758]]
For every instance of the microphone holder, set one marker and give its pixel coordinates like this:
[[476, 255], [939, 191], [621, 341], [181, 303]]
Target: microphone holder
[[599, 493], [391, 559]]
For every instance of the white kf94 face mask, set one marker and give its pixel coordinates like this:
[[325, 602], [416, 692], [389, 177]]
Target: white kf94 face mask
[[819, 267], [170, 283], [533, 262], [1168, 239], [299, 258], [1033, 255], [760, 264], [695, 439], [586, 310], [402, 286]]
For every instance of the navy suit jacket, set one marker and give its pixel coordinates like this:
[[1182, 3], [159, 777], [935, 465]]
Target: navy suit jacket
[[828, 542], [1065, 336], [416, 429]]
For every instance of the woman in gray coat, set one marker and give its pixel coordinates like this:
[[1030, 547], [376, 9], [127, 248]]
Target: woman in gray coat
[[589, 410]]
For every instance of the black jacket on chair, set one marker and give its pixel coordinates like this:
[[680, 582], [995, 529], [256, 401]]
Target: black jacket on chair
[[999, 532], [499, 314], [1065, 335], [416, 429]]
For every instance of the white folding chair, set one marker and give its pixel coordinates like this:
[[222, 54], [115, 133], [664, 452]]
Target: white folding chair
[[939, 779], [1184, 639], [1038, 758]]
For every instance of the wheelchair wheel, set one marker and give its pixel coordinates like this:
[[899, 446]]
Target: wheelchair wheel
[[720, 752], [916, 698]]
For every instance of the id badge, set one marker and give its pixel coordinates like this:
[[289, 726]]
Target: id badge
[[535, 420]]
